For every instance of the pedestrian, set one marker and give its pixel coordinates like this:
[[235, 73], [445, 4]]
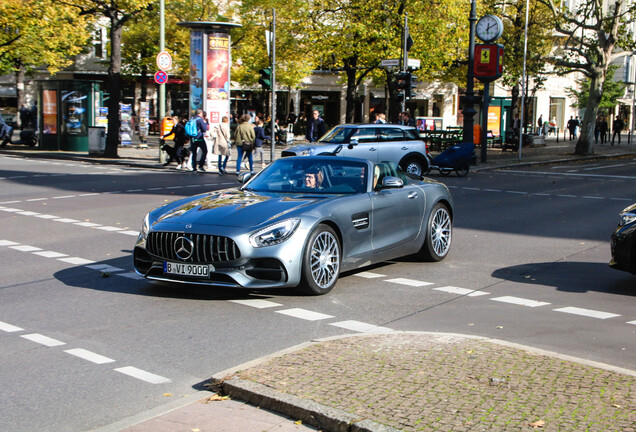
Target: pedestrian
[[180, 139], [244, 141], [578, 126], [572, 128], [25, 114], [222, 145], [597, 130], [603, 128], [198, 142], [405, 119], [315, 127], [540, 125], [5, 132], [259, 137], [617, 127]]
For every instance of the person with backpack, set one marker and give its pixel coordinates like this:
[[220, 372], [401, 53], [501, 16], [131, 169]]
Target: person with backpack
[[197, 140], [180, 138]]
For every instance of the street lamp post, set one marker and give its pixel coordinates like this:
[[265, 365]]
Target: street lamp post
[[469, 100], [633, 78]]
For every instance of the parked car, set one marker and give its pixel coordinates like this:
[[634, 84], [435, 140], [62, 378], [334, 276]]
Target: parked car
[[298, 223], [401, 145], [623, 241]]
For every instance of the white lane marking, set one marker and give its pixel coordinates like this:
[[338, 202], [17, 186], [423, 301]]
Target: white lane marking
[[361, 327], [461, 291], [572, 174], [47, 216], [88, 194], [87, 224], [130, 233], [11, 202], [134, 190], [520, 301], [593, 197], [369, 275], [43, 340], [517, 192], [154, 189], [109, 228], [105, 267], [142, 375], [28, 213], [304, 314], [76, 261], [257, 303], [50, 254], [66, 220], [7, 243], [566, 196], [631, 322], [89, 355], [409, 282], [10, 210], [9, 328], [64, 196], [130, 275], [493, 190], [26, 248], [587, 312]]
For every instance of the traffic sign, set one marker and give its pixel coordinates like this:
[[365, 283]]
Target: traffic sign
[[161, 77], [390, 63], [164, 60]]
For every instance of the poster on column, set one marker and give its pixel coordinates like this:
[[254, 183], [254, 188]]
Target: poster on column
[[196, 71], [218, 77]]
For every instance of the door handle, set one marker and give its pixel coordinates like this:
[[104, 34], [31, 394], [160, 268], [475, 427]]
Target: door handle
[[372, 149], [404, 148], [412, 195]]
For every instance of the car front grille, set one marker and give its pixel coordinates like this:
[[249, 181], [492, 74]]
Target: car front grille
[[286, 153], [207, 248]]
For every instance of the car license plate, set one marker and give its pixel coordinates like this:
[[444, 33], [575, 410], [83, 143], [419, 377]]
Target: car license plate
[[196, 270]]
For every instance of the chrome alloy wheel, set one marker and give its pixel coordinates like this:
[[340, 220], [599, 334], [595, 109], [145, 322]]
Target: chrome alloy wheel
[[440, 234], [325, 259]]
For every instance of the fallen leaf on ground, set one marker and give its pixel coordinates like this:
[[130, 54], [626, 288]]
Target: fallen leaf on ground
[[217, 397], [537, 424], [299, 422], [167, 394]]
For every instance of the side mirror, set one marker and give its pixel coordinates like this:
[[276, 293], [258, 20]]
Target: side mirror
[[244, 177], [390, 182], [353, 143]]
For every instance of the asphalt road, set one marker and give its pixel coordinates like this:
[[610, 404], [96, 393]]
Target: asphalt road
[[85, 343]]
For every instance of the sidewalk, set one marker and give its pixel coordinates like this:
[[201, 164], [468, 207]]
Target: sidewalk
[[401, 381], [562, 151]]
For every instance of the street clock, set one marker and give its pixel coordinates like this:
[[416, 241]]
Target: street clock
[[489, 28]]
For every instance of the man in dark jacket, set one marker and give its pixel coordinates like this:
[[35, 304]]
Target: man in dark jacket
[[198, 142], [315, 127], [180, 138], [617, 127]]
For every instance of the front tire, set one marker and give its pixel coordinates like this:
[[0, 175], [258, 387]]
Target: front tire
[[439, 233], [321, 262], [416, 166]]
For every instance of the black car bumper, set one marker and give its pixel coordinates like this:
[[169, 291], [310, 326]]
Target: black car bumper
[[623, 245]]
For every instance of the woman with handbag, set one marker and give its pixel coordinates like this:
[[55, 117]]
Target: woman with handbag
[[222, 143], [244, 140]]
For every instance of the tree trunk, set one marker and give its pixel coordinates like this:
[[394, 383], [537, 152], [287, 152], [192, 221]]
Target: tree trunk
[[352, 88], [114, 87], [584, 145]]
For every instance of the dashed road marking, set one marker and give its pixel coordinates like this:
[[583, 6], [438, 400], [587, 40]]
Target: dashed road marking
[[587, 312], [43, 340], [361, 327], [76, 261], [304, 314], [257, 303], [369, 275], [142, 375], [409, 282], [9, 328], [50, 254], [26, 248], [89, 355], [105, 267], [461, 291], [520, 301]]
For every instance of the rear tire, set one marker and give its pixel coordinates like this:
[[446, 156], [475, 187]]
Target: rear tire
[[321, 262], [416, 166], [439, 233]]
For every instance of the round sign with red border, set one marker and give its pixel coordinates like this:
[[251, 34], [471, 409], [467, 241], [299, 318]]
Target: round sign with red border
[[164, 60], [161, 77]]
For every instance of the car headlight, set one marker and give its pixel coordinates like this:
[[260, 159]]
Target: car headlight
[[627, 218], [307, 152], [274, 234], [145, 226]]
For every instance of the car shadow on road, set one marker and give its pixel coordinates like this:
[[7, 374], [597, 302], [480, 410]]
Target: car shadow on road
[[115, 276], [571, 276]]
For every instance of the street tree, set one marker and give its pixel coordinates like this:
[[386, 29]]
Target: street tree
[[592, 37], [117, 13], [36, 34], [612, 92]]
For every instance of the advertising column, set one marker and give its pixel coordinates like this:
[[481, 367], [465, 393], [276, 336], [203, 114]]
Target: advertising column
[[218, 77]]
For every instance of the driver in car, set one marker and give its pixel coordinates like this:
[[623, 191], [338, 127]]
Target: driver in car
[[313, 178]]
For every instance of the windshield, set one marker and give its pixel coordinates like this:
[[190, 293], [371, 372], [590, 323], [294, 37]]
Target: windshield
[[309, 175], [337, 135]]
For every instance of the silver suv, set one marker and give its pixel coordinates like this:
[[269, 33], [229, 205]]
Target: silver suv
[[375, 142]]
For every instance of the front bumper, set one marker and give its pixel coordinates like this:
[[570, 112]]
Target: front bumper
[[623, 246]]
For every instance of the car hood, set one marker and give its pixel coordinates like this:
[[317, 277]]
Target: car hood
[[235, 208], [316, 147]]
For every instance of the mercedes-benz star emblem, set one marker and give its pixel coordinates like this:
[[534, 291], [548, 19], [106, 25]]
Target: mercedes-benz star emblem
[[183, 247]]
